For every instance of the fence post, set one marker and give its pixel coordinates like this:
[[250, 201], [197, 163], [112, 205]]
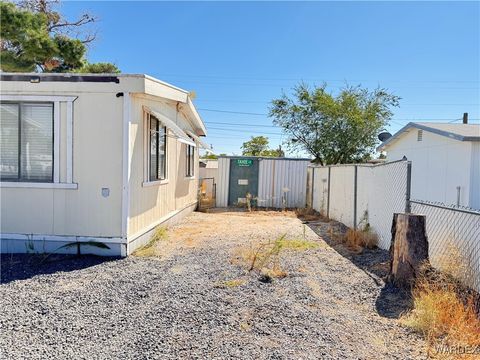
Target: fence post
[[408, 205], [328, 193], [355, 177], [312, 187]]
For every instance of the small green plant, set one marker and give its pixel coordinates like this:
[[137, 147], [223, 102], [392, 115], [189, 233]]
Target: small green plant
[[265, 257], [231, 283], [150, 248]]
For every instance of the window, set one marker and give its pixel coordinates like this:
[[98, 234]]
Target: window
[[190, 160], [419, 135], [26, 142], [157, 150]]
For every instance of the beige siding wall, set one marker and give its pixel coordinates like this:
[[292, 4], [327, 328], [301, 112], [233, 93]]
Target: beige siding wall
[[97, 164], [152, 203]]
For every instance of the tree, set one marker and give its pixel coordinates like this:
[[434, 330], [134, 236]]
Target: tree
[[258, 146], [211, 156], [100, 67], [334, 129], [34, 37]]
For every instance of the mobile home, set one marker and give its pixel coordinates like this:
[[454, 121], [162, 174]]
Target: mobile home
[[94, 159]]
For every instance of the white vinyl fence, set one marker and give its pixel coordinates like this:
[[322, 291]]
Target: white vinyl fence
[[357, 195]]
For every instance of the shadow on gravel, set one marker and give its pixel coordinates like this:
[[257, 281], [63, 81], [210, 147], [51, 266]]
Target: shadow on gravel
[[24, 266], [392, 302]]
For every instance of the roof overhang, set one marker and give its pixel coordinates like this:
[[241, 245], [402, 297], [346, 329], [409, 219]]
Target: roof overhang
[[133, 83], [413, 125], [179, 132]]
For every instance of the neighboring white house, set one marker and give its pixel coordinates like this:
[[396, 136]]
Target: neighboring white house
[[94, 157], [445, 161]]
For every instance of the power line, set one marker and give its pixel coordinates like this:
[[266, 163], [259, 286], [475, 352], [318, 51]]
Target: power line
[[244, 131], [302, 78], [241, 124], [269, 101], [330, 86], [232, 112]]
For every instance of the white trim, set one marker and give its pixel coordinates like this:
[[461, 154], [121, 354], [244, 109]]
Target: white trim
[[177, 130], [41, 98], [69, 142], [154, 183], [56, 142], [158, 222], [126, 163], [146, 146], [59, 238], [187, 142], [200, 142], [34, 185]]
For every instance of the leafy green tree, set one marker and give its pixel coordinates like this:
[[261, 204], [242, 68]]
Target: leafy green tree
[[334, 129], [99, 68], [34, 37], [258, 146]]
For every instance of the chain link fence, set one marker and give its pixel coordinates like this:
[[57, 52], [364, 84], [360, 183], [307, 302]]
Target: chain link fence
[[207, 194], [453, 234], [357, 195], [361, 195]]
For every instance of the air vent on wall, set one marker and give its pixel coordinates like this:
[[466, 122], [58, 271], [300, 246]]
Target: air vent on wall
[[419, 135]]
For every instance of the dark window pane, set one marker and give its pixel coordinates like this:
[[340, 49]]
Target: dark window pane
[[162, 154], [36, 142], [9, 141], [153, 155]]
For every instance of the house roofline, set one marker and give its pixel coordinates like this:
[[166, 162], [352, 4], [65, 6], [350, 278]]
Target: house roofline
[[411, 125], [105, 78]]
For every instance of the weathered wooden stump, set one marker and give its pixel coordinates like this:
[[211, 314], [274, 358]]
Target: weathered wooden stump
[[408, 249]]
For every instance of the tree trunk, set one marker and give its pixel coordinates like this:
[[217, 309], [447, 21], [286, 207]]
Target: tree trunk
[[408, 249]]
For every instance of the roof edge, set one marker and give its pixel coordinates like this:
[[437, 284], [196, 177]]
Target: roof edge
[[410, 125]]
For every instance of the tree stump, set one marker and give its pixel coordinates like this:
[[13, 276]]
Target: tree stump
[[408, 249]]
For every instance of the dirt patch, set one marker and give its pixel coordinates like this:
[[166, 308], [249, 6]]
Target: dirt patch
[[190, 301]]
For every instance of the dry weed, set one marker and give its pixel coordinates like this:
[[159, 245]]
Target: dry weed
[[359, 239], [444, 315], [455, 262]]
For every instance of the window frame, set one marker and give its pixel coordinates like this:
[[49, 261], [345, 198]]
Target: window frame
[[57, 101], [149, 178], [190, 161], [19, 178]]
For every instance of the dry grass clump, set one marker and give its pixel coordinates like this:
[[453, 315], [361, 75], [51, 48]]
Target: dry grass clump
[[265, 257], [456, 262], [360, 239], [445, 315], [150, 249], [308, 214]]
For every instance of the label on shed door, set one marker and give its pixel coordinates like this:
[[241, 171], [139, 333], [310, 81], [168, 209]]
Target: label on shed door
[[242, 181]]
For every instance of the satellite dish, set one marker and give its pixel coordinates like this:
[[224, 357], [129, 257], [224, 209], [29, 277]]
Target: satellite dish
[[384, 136]]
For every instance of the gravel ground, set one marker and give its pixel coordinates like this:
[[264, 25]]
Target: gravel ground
[[175, 306]]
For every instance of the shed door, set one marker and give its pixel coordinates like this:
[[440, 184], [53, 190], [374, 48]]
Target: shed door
[[243, 179]]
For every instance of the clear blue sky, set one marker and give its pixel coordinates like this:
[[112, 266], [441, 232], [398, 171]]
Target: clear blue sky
[[239, 56]]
